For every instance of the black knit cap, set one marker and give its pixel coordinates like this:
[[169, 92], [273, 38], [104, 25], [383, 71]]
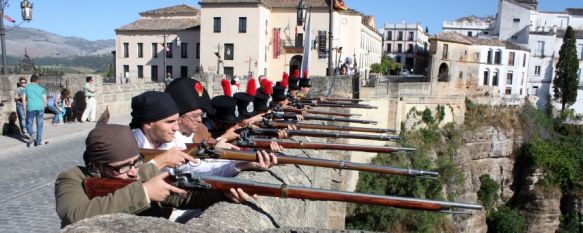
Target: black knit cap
[[109, 144], [261, 101], [245, 104], [278, 93], [226, 110], [151, 106], [305, 82], [189, 95]]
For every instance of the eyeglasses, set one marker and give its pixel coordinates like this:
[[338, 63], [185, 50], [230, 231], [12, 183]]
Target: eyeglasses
[[122, 169], [23, 82], [194, 117]]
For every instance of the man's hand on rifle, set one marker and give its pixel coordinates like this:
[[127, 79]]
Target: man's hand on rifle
[[274, 147], [225, 145], [282, 133], [264, 161], [300, 117], [230, 134], [158, 190], [292, 127], [238, 195], [172, 158]]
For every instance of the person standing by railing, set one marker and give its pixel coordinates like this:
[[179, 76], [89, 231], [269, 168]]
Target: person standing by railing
[[89, 90], [18, 93], [67, 102]]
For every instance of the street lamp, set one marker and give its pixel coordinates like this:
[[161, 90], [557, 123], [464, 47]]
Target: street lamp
[[301, 13], [330, 70], [26, 7]]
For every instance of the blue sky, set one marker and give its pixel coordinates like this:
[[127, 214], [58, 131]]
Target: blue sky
[[97, 19]]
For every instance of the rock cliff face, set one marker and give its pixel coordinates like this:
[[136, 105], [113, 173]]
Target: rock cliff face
[[542, 211], [487, 150]]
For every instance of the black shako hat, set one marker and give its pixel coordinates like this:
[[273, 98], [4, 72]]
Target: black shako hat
[[293, 83], [226, 110], [305, 82], [245, 104], [189, 95], [261, 100], [278, 93], [151, 106]]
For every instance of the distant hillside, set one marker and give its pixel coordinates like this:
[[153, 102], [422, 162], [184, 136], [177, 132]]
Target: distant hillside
[[39, 43]]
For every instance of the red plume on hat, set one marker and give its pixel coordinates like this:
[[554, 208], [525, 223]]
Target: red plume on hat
[[226, 87], [306, 74], [267, 88], [296, 73], [284, 80], [199, 89], [251, 87]]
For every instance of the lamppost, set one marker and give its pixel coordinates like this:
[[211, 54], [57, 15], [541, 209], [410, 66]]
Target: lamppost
[[301, 13], [26, 7], [330, 70]]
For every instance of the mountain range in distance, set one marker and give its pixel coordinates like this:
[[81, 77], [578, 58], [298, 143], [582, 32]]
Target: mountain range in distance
[[40, 43]]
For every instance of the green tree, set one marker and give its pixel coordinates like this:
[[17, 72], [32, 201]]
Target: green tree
[[505, 220], [488, 193], [387, 65], [566, 80]]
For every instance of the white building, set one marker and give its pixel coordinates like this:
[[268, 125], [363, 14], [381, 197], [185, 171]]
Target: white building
[[520, 22], [495, 65], [263, 37], [140, 45], [407, 44], [470, 25]]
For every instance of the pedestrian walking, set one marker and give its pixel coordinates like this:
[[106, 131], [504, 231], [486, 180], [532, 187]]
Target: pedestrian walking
[[34, 100], [90, 109]]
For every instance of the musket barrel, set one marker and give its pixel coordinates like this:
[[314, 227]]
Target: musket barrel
[[264, 143], [273, 132], [300, 125], [295, 110], [331, 105], [224, 184], [284, 116], [287, 159]]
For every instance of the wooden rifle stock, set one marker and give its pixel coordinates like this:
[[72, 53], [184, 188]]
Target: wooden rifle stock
[[199, 151], [264, 143], [299, 125], [98, 187]]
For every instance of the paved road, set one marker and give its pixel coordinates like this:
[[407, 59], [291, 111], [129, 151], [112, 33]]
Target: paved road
[[27, 199]]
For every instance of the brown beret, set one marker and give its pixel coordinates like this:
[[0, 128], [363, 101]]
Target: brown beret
[[110, 144]]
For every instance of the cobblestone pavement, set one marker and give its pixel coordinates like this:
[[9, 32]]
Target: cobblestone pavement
[[27, 199]]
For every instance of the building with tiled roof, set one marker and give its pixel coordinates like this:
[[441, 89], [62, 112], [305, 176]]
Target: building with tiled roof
[[161, 43], [470, 25], [262, 37], [499, 67]]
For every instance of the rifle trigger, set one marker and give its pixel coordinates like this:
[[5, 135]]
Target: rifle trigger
[[341, 165]]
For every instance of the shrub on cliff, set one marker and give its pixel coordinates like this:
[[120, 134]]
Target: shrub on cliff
[[488, 193], [505, 220]]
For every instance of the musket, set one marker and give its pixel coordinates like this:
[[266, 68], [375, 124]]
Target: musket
[[203, 151], [249, 131], [340, 105], [333, 99], [264, 144], [338, 101], [96, 187], [284, 124], [299, 104], [295, 110], [292, 116]]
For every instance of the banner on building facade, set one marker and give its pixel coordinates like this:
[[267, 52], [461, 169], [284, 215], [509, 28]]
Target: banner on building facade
[[276, 41], [322, 49]]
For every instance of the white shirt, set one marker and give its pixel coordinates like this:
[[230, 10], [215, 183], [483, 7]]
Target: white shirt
[[216, 167]]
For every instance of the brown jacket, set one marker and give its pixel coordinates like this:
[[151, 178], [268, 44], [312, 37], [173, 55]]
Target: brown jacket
[[72, 203], [202, 133]]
